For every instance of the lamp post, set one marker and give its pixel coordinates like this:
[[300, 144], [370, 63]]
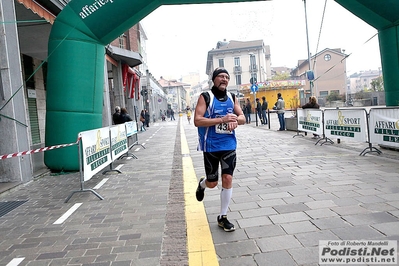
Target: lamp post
[[307, 39]]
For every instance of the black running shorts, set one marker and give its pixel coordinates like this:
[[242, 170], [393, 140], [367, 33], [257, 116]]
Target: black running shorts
[[227, 160]]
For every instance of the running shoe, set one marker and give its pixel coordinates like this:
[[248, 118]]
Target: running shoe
[[199, 194], [225, 224]]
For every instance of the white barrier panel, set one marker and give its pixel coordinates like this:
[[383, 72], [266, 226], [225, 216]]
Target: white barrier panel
[[118, 141], [384, 126], [346, 123], [310, 120], [96, 151], [131, 128]]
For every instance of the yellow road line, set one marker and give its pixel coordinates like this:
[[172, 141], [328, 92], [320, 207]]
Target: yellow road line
[[200, 247]]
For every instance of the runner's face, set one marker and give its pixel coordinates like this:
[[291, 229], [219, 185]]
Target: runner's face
[[222, 81]]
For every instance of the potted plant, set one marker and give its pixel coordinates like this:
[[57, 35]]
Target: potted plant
[[291, 123]]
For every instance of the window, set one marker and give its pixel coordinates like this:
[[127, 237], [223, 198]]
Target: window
[[237, 61], [327, 57], [238, 79], [252, 60], [252, 63], [122, 41], [221, 62], [323, 93], [32, 104]]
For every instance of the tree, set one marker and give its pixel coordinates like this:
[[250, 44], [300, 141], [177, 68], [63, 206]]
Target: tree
[[334, 96], [377, 84], [360, 95], [281, 76]]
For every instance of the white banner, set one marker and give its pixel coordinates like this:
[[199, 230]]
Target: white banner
[[346, 123], [131, 128], [118, 141], [96, 151], [310, 120], [384, 126]]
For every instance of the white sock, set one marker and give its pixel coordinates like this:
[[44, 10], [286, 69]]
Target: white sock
[[203, 183], [225, 196]]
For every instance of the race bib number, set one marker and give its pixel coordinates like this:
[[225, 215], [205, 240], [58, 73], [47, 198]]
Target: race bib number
[[222, 128]]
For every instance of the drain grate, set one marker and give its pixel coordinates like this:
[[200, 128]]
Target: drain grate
[[6, 207]]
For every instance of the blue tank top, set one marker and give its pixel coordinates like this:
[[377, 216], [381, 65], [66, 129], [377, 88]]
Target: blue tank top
[[217, 138]]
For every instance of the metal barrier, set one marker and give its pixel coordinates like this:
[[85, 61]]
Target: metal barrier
[[99, 148], [132, 138], [380, 125], [384, 126]]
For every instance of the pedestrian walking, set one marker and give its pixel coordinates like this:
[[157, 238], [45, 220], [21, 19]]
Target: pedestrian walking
[[142, 120], [217, 115]]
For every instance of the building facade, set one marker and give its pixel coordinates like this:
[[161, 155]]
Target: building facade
[[362, 80], [329, 69], [243, 60], [23, 78], [176, 93]]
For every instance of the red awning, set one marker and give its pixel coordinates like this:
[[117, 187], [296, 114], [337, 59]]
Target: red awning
[[38, 9], [131, 82]]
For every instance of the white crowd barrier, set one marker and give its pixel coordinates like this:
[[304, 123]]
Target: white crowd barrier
[[310, 120], [384, 126], [99, 148], [378, 126], [346, 123]]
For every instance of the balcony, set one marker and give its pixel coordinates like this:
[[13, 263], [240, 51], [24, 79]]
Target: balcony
[[237, 70], [253, 68]]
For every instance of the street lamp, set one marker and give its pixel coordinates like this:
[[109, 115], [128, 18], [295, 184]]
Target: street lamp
[[307, 39]]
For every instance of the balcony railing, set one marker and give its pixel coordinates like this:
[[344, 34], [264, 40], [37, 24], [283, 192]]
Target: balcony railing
[[237, 70], [253, 68]]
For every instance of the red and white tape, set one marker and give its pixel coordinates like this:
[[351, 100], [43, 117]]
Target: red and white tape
[[22, 153]]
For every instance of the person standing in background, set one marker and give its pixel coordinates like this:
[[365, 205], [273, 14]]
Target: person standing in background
[[147, 118], [280, 107], [172, 115], [124, 117], [116, 116], [259, 109], [248, 110], [264, 108], [312, 104]]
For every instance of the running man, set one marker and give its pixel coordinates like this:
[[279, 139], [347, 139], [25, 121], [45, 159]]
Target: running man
[[217, 115]]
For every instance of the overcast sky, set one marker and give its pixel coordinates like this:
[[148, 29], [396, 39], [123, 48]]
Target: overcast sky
[[180, 36]]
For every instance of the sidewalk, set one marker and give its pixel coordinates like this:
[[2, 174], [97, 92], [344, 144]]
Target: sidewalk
[[288, 194]]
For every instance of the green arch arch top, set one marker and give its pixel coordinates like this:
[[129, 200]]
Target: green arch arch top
[[384, 16], [75, 78]]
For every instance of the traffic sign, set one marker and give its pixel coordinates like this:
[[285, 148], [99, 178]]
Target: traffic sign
[[253, 80], [254, 88]]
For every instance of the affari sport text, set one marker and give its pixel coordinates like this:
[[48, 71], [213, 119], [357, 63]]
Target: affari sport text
[[345, 121]]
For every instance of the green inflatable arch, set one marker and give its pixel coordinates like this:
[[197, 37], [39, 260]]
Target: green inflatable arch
[[75, 78]]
